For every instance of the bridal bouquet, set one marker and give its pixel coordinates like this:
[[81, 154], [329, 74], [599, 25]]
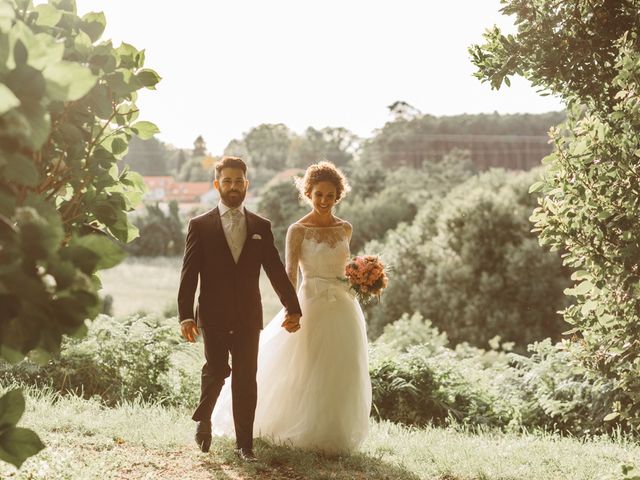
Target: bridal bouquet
[[366, 276]]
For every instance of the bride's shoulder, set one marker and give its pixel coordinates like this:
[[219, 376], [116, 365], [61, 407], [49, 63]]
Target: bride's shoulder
[[346, 225], [295, 230]]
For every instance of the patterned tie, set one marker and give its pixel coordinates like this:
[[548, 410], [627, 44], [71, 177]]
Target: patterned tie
[[235, 219]]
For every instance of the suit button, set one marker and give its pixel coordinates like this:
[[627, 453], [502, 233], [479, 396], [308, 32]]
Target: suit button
[[230, 332]]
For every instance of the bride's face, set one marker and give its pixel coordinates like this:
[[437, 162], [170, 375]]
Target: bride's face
[[323, 197]]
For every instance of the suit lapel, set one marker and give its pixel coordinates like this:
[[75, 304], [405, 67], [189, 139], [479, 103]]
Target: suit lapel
[[220, 237]]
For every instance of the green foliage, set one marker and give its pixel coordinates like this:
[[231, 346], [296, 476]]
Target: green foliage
[[271, 148], [336, 145], [484, 272], [193, 170], [469, 263], [160, 234], [138, 357], [382, 202], [418, 380], [589, 208], [68, 111], [419, 139], [61, 196], [147, 157], [281, 204]]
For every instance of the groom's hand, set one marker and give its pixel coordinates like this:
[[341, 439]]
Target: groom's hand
[[291, 322], [190, 331]]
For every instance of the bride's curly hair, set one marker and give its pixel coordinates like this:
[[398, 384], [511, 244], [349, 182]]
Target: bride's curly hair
[[322, 172]]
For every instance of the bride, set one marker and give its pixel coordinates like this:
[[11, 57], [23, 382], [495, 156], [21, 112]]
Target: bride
[[314, 390]]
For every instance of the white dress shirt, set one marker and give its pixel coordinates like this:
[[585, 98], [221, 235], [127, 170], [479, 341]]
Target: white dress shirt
[[234, 225]]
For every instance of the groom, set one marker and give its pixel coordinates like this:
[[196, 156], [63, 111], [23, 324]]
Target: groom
[[225, 249]]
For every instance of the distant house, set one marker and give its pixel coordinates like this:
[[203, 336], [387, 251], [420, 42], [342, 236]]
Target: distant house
[[165, 189]]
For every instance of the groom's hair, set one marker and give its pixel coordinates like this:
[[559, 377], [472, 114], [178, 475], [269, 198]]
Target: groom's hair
[[230, 162]]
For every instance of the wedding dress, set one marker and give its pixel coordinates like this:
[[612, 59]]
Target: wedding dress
[[314, 390]]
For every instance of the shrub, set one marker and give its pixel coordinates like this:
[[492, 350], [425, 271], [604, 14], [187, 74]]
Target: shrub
[[418, 380], [470, 264], [160, 233], [121, 359]]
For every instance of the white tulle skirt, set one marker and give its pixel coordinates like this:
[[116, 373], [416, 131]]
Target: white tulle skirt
[[314, 390]]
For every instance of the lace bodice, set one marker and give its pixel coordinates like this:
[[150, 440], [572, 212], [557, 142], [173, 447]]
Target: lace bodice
[[317, 251]]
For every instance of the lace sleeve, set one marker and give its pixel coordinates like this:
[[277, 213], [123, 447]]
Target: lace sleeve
[[348, 230], [295, 235]]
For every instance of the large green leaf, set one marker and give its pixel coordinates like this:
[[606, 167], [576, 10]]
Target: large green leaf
[[100, 101], [7, 14], [108, 251], [11, 408], [20, 169], [8, 100], [27, 83], [39, 121], [93, 24], [18, 444], [148, 78], [145, 130], [48, 16], [82, 42], [44, 50], [68, 81]]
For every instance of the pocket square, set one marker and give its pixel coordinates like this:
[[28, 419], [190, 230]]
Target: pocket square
[[256, 236]]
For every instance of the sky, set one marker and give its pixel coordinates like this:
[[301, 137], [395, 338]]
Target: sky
[[228, 66]]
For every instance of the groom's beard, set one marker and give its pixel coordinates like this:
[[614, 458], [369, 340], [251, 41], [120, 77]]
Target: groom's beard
[[233, 198]]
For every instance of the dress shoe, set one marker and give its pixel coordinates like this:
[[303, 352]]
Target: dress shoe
[[246, 454], [203, 436]]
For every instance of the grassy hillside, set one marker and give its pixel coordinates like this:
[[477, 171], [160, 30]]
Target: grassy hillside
[[134, 441]]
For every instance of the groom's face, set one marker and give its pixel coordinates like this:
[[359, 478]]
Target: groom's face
[[232, 186]]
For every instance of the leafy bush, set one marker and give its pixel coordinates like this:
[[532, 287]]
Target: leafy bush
[[382, 204], [121, 359], [588, 54], [426, 382], [160, 234], [67, 113], [417, 380], [470, 264]]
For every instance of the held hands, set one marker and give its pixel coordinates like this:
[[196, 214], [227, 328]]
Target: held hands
[[190, 331], [291, 322]]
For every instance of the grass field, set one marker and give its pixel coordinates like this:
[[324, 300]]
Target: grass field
[[151, 285], [137, 441]]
